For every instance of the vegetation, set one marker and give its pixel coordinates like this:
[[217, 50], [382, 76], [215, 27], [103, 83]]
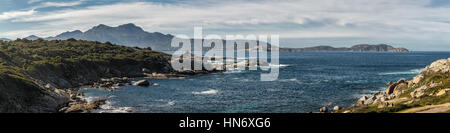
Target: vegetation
[[21, 55], [26, 66]]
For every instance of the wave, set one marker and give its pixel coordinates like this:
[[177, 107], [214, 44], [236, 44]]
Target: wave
[[275, 66], [208, 92], [287, 80], [413, 71], [233, 71], [170, 103], [108, 106]]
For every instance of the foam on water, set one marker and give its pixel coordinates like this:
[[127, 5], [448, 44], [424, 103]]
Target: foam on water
[[410, 72], [109, 108], [208, 92]]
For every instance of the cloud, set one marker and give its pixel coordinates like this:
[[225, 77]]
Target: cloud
[[16, 14], [59, 4], [33, 1], [387, 19], [29, 12]]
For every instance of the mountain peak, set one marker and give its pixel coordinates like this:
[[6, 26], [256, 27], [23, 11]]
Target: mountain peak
[[32, 37], [69, 34], [128, 25], [101, 26]]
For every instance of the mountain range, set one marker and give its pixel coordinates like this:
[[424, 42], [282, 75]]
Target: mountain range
[[127, 34], [132, 35]]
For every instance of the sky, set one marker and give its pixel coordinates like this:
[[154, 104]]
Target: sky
[[420, 25]]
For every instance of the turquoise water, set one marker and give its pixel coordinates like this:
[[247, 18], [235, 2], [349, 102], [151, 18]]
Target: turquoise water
[[307, 81]]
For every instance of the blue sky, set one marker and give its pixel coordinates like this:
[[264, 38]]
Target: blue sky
[[414, 24]]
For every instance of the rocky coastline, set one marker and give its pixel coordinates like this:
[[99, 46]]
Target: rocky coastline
[[77, 104], [428, 92], [45, 76]]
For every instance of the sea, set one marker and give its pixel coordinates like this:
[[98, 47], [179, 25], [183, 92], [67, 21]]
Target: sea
[[306, 82]]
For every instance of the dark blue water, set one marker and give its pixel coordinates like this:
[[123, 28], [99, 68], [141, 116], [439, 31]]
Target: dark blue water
[[308, 82]]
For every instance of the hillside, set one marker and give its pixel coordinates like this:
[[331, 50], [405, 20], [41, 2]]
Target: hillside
[[34, 74], [355, 48], [428, 92]]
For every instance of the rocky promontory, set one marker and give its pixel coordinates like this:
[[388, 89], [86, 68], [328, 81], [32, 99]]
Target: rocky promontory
[[44, 76], [428, 92]]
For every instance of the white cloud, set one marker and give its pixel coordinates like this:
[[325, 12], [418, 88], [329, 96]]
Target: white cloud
[[16, 14], [33, 1], [59, 4], [29, 12]]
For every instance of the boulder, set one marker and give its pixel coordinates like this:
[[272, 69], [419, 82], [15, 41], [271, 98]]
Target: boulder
[[443, 92], [417, 79], [400, 88], [419, 92], [361, 101], [400, 85], [390, 88], [336, 108], [48, 86], [385, 104], [323, 110], [141, 83], [402, 81], [83, 107]]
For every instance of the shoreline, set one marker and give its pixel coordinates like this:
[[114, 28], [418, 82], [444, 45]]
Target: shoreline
[[79, 104]]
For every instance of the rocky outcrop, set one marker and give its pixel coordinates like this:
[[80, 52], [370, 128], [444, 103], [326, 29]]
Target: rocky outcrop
[[43, 75], [430, 88], [439, 66], [141, 83], [83, 107]]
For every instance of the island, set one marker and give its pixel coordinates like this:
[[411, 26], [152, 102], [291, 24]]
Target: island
[[355, 48]]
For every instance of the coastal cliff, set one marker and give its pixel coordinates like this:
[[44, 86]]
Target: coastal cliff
[[37, 75], [428, 92], [356, 48]]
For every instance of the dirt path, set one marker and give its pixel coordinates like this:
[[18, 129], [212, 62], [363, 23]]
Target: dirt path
[[429, 109]]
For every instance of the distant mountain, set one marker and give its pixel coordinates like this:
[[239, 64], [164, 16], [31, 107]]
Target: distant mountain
[[127, 34], [66, 35], [356, 48], [32, 37], [5, 39]]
